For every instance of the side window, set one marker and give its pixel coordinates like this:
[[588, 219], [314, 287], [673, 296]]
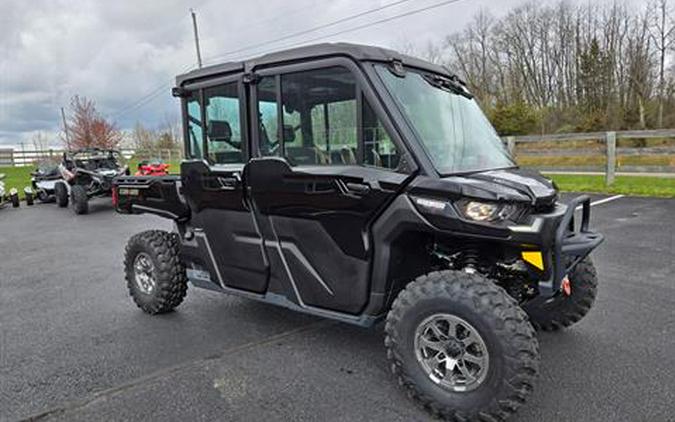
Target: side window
[[194, 126], [378, 148], [267, 116], [223, 124], [319, 116]]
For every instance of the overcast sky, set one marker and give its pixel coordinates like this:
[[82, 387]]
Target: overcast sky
[[119, 53]]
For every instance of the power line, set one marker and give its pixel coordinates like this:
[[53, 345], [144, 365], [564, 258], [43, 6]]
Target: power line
[[157, 91], [148, 96], [307, 31], [377, 22], [151, 96]]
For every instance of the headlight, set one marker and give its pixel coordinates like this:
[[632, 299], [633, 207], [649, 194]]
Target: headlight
[[486, 211]]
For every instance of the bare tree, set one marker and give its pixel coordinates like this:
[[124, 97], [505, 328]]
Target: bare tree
[[661, 32], [39, 141], [580, 67], [87, 128], [142, 137]]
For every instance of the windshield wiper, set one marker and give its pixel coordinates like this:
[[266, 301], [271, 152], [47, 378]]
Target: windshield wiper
[[453, 85]]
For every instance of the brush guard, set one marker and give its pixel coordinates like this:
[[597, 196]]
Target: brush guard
[[572, 244]]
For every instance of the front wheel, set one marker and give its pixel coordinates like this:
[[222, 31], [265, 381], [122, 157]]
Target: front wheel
[[43, 196], [461, 346], [14, 197], [154, 273], [564, 309], [61, 194], [28, 193], [80, 199]]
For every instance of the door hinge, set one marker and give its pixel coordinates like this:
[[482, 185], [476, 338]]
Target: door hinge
[[180, 92], [250, 78]]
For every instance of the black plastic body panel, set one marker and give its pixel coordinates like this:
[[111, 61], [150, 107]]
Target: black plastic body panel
[[219, 216], [148, 194], [318, 220]]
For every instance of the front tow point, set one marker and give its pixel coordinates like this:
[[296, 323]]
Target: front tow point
[[565, 286]]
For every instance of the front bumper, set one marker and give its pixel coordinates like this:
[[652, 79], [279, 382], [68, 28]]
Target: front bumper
[[572, 243]]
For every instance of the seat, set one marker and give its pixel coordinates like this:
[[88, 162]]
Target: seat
[[228, 157], [219, 131], [305, 155], [376, 160], [347, 156]]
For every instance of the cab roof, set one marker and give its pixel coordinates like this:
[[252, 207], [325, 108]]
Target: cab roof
[[356, 52]]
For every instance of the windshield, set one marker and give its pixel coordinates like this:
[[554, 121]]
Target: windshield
[[453, 129]]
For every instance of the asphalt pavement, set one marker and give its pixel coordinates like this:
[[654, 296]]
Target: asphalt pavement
[[74, 347]]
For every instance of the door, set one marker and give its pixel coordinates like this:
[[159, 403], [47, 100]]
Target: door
[[228, 243], [326, 171]]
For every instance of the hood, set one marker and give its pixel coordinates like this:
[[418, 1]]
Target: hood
[[513, 185], [535, 188]]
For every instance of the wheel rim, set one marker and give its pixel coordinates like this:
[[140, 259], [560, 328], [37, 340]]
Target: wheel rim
[[144, 273], [451, 352]]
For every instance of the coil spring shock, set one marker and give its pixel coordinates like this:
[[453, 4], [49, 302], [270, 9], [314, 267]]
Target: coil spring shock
[[470, 257]]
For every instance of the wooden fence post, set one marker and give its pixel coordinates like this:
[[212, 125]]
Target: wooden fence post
[[511, 145], [610, 138]]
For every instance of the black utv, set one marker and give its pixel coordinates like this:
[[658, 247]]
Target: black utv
[[87, 173], [362, 185]]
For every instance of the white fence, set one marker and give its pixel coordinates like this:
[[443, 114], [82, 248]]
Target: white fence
[[10, 157]]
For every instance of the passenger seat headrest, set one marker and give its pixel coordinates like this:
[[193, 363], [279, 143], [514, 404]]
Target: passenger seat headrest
[[289, 133], [219, 130]]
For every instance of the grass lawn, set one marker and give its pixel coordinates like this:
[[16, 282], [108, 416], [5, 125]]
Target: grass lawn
[[16, 177], [595, 160], [627, 185]]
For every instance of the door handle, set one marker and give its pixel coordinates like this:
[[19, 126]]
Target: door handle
[[358, 188], [228, 183]]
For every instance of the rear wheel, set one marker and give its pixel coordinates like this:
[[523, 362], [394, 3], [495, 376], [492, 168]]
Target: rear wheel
[[61, 194], [155, 275], [14, 197], [564, 310], [461, 346], [29, 196], [80, 199]]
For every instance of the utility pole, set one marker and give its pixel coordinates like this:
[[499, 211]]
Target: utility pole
[[65, 128], [194, 27]]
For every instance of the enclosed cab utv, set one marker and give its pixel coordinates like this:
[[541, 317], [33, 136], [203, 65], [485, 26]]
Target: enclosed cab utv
[[361, 185], [87, 173]]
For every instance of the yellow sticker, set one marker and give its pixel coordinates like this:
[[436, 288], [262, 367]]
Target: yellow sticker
[[534, 258]]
